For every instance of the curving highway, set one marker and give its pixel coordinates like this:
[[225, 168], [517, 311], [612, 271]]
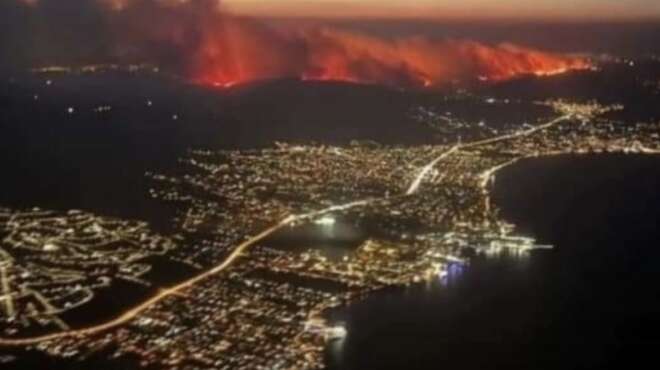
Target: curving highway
[[238, 251]]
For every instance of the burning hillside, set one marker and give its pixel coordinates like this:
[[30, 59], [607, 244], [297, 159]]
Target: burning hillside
[[206, 44]]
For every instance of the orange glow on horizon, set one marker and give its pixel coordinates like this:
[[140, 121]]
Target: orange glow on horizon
[[242, 53], [214, 47], [589, 10]]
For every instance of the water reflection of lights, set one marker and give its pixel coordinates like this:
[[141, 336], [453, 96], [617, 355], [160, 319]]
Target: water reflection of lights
[[336, 332], [336, 344], [335, 352], [327, 225], [331, 333], [453, 272], [326, 221]]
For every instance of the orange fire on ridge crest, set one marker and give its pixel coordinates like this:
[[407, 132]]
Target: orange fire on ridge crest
[[332, 55], [219, 49]]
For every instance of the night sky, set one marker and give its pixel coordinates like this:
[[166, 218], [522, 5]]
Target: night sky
[[45, 32], [474, 9]]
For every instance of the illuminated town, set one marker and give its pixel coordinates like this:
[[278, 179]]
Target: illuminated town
[[329, 185], [53, 263], [249, 305]]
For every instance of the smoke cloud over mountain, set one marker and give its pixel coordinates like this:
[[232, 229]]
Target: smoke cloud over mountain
[[200, 41]]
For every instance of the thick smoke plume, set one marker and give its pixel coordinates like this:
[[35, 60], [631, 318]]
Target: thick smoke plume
[[199, 40]]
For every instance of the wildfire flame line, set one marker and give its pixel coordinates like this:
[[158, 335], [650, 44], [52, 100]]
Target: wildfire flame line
[[203, 42], [327, 54]]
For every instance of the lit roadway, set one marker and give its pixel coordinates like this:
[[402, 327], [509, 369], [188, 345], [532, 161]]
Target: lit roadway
[[176, 290], [426, 169], [238, 251], [6, 292]]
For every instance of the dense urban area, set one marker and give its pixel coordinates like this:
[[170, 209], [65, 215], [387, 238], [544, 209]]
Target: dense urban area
[[250, 305]]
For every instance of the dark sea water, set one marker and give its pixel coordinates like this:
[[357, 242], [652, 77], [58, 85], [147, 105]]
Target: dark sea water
[[334, 241], [591, 303]]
